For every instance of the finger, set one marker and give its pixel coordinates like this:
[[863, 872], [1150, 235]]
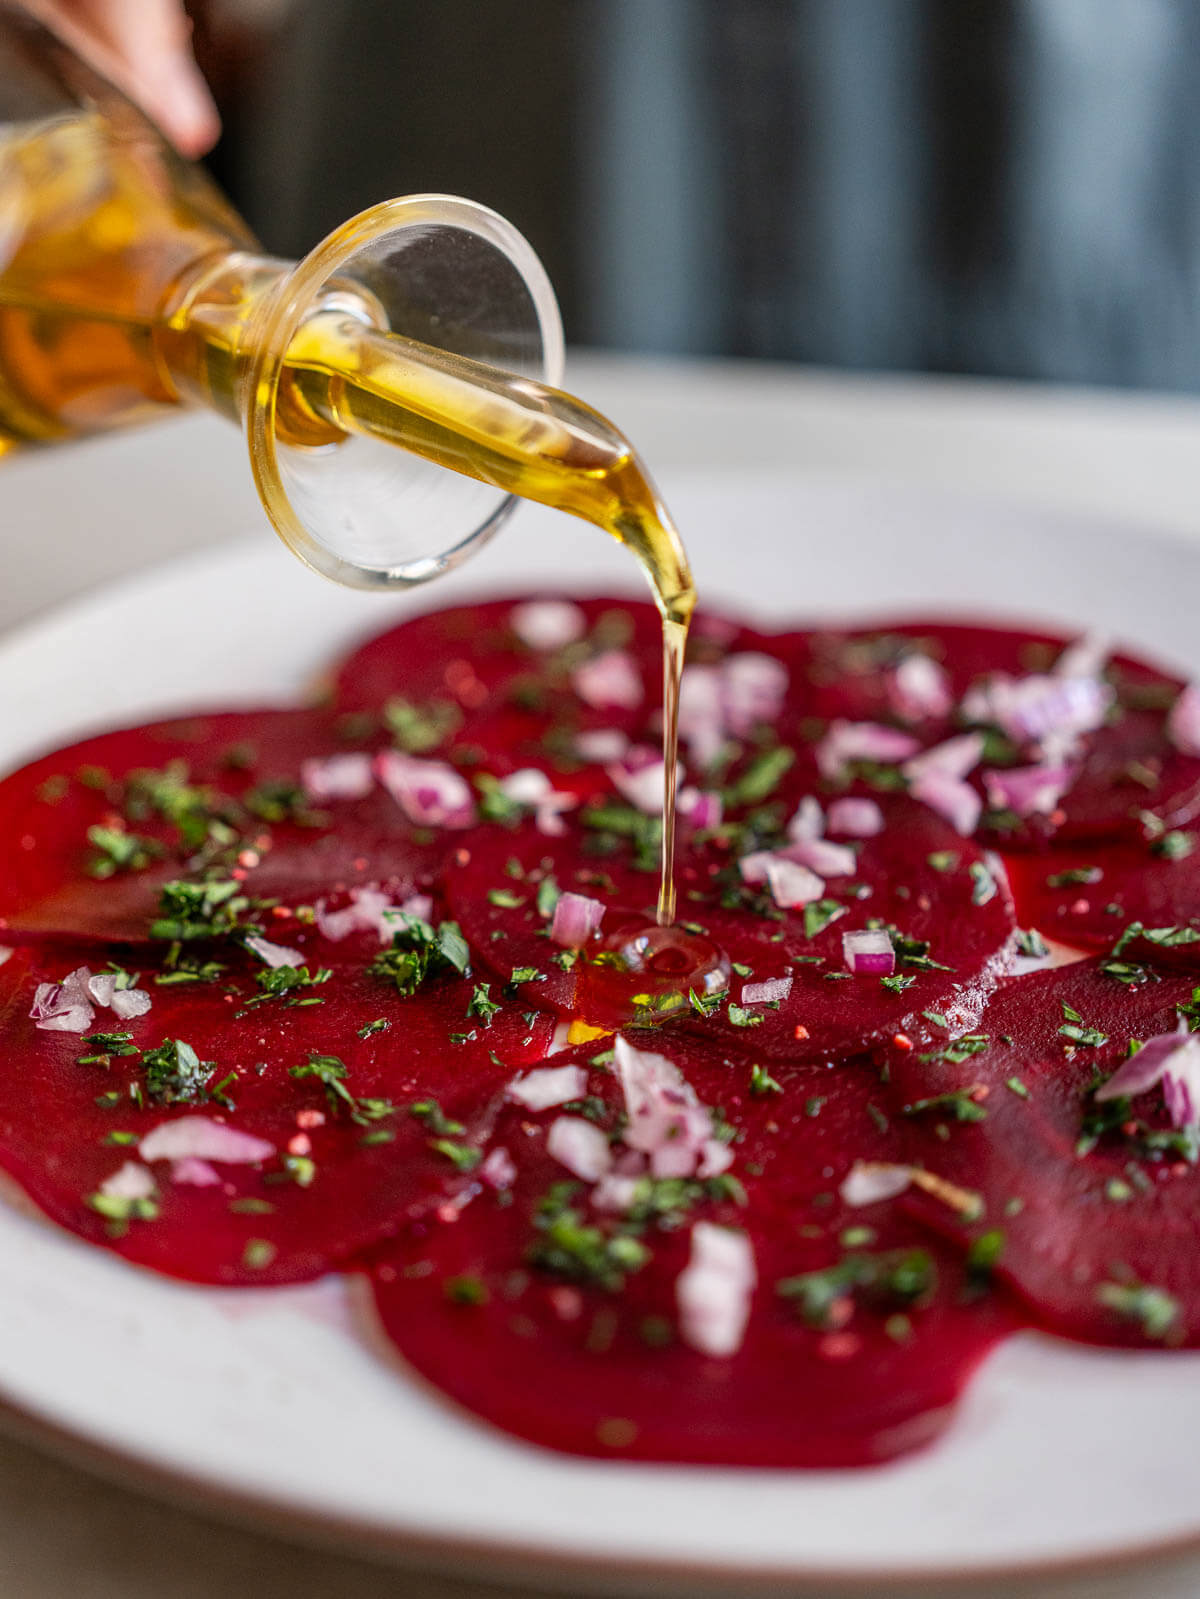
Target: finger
[[145, 46]]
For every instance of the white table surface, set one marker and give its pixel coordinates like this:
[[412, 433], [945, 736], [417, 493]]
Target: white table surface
[[82, 515]]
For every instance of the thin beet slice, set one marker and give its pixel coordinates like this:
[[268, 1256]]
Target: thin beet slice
[[218, 794], [1088, 897], [933, 887], [1101, 1244], [470, 661], [342, 1174], [548, 1352], [1127, 768]]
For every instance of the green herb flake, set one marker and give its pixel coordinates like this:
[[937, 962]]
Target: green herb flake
[[820, 914], [1154, 1309], [896, 983], [1017, 1087], [548, 896], [958, 1105], [762, 1083], [258, 1254], [906, 1277], [1174, 846], [481, 1005], [379, 1025], [742, 1018], [1075, 877], [465, 1290], [942, 860], [983, 884]]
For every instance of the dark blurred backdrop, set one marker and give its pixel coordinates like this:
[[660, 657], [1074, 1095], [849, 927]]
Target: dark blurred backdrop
[[1008, 187]]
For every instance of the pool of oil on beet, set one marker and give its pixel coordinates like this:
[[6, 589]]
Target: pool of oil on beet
[[638, 971]]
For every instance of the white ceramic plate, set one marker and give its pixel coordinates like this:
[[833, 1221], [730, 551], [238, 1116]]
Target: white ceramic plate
[[274, 1400]]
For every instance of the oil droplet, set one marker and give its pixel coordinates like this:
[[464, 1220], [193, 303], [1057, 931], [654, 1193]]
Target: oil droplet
[[640, 970]]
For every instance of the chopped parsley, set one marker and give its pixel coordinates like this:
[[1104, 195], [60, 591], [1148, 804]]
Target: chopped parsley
[[175, 1074], [1156, 1311], [958, 1105], [418, 950], [906, 1277]]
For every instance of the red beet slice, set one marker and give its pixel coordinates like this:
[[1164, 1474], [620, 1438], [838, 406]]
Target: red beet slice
[[960, 910], [1092, 1242], [65, 1128], [553, 1357], [1127, 768], [1087, 897], [470, 658], [240, 758]]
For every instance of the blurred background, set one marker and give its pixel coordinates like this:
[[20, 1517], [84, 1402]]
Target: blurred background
[[1004, 187]]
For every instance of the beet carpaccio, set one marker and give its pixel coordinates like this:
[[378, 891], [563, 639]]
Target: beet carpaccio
[[374, 986]]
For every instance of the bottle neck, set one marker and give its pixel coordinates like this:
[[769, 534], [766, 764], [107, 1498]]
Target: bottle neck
[[210, 326]]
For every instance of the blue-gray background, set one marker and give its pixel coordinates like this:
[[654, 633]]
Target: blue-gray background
[[996, 186]]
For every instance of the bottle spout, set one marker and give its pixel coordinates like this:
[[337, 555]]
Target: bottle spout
[[399, 312]]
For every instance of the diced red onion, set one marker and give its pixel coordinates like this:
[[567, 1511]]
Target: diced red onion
[[194, 1173], [1028, 790], [870, 1181], [130, 1181], [370, 911], [576, 918], [641, 779], [1042, 708], [498, 1170], [614, 1193], [547, 1086], [954, 801], [715, 1289], [729, 700], [531, 787], [547, 624], [822, 856], [869, 952], [430, 793], [807, 822], [701, 808], [1170, 1058], [6, 953], [862, 741], [64, 1007], [855, 818], [130, 1002], [918, 688], [580, 1146], [1183, 721], [124, 1003], [602, 745], [666, 1121], [1084, 657], [956, 757], [273, 955], [715, 1158], [768, 991], [609, 681], [753, 687], [753, 867], [201, 1138], [792, 885], [337, 777]]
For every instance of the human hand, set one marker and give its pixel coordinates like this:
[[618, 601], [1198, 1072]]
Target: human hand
[[144, 46]]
